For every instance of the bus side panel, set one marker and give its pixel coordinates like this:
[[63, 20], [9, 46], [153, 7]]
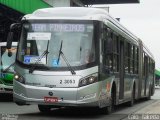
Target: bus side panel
[[106, 89]]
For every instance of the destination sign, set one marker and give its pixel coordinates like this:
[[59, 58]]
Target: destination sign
[[58, 27]]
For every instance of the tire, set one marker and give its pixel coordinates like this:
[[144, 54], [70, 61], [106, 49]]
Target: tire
[[148, 98], [44, 108], [149, 95], [20, 104], [131, 102], [109, 109]]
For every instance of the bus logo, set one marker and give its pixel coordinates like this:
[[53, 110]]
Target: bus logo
[[50, 93]]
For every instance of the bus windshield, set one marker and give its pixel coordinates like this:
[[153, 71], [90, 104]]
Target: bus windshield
[[8, 58], [36, 38]]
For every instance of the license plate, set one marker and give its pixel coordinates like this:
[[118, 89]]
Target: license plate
[[50, 99]]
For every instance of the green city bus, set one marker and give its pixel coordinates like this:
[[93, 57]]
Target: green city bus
[[7, 67]]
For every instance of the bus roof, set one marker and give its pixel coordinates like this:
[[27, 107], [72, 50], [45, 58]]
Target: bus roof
[[67, 12]]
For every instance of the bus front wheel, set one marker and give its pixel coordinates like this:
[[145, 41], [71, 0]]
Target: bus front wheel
[[109, 109], [44, 108], [149, 94], [131, 102]]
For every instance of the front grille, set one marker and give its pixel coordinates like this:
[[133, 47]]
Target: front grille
[[7, 82], [6, 89]]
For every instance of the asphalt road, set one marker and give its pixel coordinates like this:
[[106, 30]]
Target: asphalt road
[[8, 109]]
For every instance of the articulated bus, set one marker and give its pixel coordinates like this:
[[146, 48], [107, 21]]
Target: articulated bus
[[79, 57], [7, 67]]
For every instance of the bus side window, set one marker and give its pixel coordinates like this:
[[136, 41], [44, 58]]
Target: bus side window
[[126, 57], [132, 59], [143, 64], [108, 50], [136, 59], [107, 42], [116, 49], [150, 66]]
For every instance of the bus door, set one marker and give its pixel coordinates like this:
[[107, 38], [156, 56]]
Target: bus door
[[122, 59]]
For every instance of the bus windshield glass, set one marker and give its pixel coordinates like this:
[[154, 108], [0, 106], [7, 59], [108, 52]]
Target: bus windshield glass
[[7, 58], [36, 38]]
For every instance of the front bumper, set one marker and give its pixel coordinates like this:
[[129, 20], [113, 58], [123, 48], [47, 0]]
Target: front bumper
[[6, 88], [83, 96]]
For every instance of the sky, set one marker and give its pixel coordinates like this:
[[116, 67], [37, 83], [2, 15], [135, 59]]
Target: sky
[[143, 20]]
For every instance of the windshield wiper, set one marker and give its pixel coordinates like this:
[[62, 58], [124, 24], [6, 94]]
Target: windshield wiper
[[65, 59], [5, 70], [60, 50], [39, 59]]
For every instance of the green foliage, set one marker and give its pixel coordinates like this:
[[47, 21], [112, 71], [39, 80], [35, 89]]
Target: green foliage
[[157, 72]]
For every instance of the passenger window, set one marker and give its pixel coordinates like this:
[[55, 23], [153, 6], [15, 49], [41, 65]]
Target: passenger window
[[127, 57], [111, 50]]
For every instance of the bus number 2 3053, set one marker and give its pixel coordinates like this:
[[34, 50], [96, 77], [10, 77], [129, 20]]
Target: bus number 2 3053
[[67, 81]]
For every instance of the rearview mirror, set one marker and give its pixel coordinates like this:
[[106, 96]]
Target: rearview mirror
[[13, 28], [9, 40]]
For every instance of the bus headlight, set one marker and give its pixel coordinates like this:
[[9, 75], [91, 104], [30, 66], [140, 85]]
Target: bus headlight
[[88, 80], [19, 78]]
